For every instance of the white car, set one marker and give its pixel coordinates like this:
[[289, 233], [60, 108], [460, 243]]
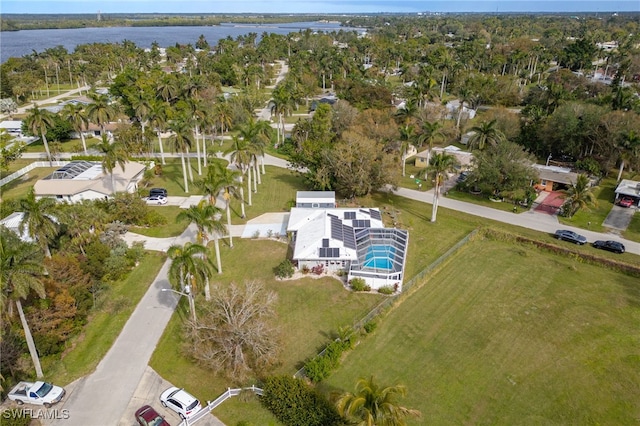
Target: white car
[[157, 199], [180, 401]]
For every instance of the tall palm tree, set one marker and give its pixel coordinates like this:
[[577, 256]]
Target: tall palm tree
[[158, 115], [407, 139], [20, 270], [38, 219], [220, 178], [629, 149], [206, 218], [223, 118], [181, 140], [439, 165], [188, 269], [241, 157], [100, 111], [39, 121], [113, 154], [429, 132], [579, 196], [76, 115], [485, 133], [373, 405], [257, 134]]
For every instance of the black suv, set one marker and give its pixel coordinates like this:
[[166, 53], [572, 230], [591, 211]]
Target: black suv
[[613, 246], [157, 191]]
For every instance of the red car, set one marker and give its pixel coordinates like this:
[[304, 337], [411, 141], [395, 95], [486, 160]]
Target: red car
[[147, 416], [626, 202]]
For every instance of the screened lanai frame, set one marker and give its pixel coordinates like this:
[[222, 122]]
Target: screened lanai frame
[[381, 253]]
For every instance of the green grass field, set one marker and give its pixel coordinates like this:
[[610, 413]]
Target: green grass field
[[509, 334]]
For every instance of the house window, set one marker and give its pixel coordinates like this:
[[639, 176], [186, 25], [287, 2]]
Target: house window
[[543, 182]]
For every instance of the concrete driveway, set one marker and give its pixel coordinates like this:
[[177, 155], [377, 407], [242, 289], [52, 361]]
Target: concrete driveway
[[619, 217]]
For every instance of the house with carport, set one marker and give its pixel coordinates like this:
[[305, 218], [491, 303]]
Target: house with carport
[[628, 188]]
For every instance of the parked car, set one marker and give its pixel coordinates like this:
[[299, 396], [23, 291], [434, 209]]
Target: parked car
[[180, 401], [626, 202], [157, 199], [613, 246], [566, 235], [38, 393], [158, 191], [147, 416], [463, 176]]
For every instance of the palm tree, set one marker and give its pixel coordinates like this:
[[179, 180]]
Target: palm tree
[[101, 111], [629, 148], [20, 270], [206, 217], [76, 115], [113, 154], [373, 405], [579, 196], [485, 133], [439, 165], [429, 131], [188, 269], [39, 121], [407, 139], [257, 134], [241, 157], [220, 178], [181, 140], [158, 120], [223, 118], [38, 219]]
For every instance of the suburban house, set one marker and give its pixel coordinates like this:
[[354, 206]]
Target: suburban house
[[13, 127], [84, 180], [464, 158], [628, 188], [12, 223], [552, 178], [350, 239]]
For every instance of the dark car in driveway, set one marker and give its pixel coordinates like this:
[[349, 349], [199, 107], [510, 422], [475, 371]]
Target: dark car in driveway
[[609, 245], [158, 192], [566, 235], [147, 416]]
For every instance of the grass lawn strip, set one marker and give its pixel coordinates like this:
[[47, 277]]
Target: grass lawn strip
[[526, 337]]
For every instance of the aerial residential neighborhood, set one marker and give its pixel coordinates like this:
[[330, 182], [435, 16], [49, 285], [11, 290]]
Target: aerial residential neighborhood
[[411, 217]]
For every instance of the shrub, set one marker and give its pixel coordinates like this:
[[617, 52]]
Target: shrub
[[305, 269], [359, 284], [386, 290], [318, 269], [295, 404], [370, 327], [285, 269]]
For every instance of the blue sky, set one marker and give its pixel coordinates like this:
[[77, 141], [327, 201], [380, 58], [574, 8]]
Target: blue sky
[[312, 6]]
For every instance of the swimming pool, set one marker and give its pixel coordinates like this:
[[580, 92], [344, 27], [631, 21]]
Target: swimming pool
[[379, 257]]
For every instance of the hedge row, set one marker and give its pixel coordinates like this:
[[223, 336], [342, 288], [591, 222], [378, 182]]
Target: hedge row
[[320, 366], [294, 403]]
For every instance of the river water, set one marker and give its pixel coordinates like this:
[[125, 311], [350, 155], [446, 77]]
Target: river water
[[20, 43]]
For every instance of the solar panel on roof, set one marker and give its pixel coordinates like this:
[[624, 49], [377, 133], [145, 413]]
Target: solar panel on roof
[[349, 215], [329, 252], [361, 223], [364, 211], [325, 242], [349, 237], [336, 228], [375, 214]]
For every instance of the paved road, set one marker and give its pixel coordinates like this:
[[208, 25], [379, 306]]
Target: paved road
[[24, 108], [532, 220], [102, 398]]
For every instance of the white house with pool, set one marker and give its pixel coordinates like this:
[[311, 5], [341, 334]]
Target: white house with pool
[[350, 239]]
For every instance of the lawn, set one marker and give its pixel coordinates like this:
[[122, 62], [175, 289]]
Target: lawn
[[510, 334], [305, 320], [18, 188], [592, 217], [114, 307], [73, 146], [171, 228]]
